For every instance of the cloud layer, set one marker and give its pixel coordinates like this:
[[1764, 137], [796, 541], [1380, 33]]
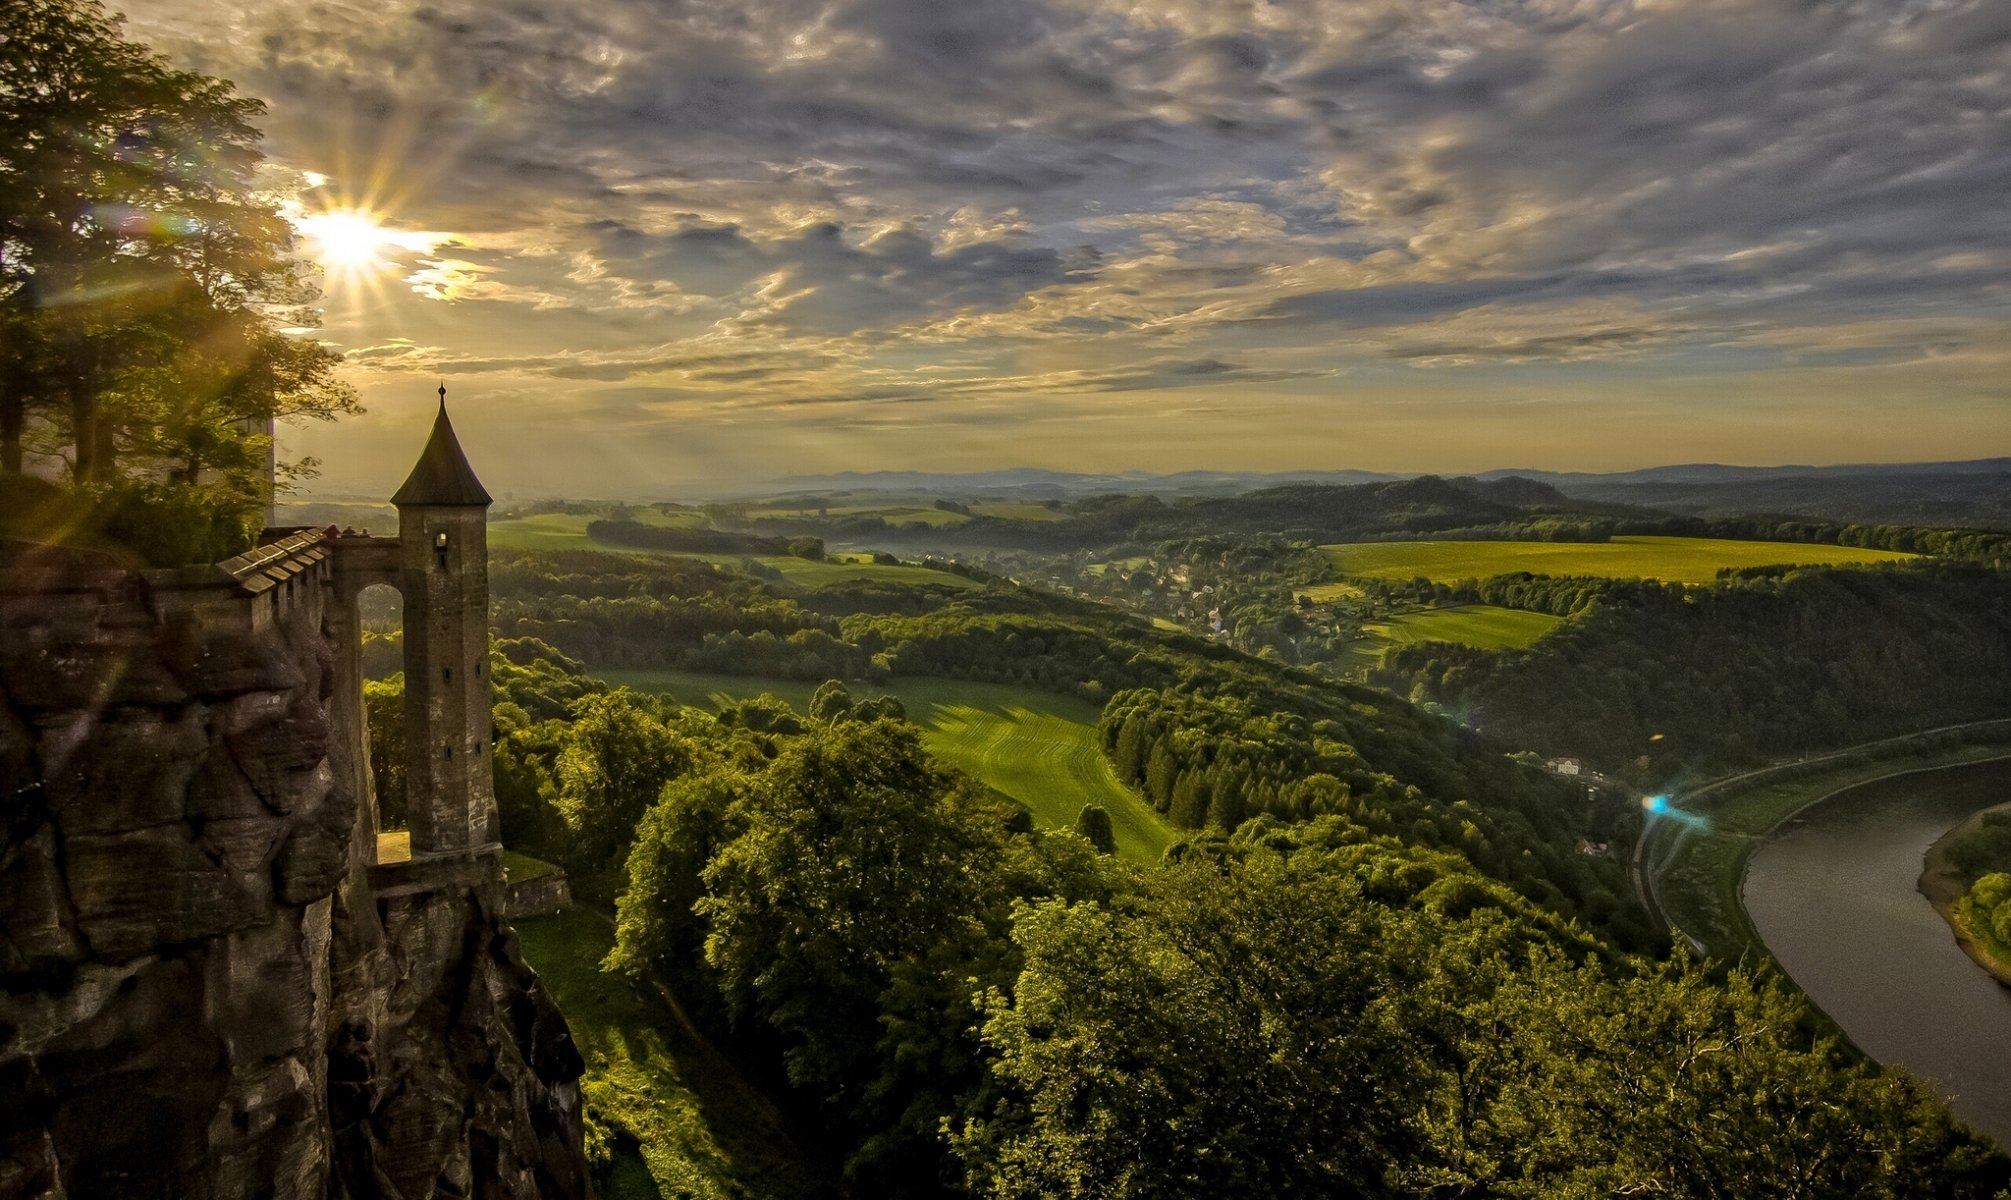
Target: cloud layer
[[1053, 230]]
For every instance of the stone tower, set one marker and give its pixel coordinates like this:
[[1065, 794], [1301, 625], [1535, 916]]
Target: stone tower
[[443, 551]]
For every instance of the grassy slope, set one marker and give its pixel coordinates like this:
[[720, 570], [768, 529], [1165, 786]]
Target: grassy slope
[[1037, 747], [703, 1132], [1676, 560]]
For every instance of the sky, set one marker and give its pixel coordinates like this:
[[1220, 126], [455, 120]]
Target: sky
[[657, 246]]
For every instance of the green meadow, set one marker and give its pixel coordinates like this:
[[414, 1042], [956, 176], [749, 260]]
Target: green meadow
[[698, 1129], [1672, 559], [1036, 747], [1482, 626]]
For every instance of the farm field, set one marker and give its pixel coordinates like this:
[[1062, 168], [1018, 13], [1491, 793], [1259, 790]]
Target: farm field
[[1672, 559], [1482, 626], [1325, 592], [1036, 747]]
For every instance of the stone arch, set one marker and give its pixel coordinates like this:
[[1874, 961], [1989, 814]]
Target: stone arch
[[361, 563]]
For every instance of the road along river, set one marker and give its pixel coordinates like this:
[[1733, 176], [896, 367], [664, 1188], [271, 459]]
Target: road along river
[[1833, 895]]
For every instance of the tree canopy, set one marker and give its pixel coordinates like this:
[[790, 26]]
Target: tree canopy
[[147, 281]]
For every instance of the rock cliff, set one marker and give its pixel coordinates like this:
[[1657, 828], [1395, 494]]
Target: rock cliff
[[207, 987]]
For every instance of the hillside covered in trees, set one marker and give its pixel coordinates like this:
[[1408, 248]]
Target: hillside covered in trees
[[1673, 678], [1374, 920]]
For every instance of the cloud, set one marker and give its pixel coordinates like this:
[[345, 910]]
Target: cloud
[[871, 201]]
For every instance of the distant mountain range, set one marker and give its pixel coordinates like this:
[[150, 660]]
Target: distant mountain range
[[1971, 493]]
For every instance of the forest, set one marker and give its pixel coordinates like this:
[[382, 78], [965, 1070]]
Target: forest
[[1663, 678], [1372, 919]]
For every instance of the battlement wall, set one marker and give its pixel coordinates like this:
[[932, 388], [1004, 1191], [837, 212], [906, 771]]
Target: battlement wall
[[201, 992]]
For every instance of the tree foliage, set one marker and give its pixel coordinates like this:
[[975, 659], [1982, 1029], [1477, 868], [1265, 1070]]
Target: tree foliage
[[145, 279]]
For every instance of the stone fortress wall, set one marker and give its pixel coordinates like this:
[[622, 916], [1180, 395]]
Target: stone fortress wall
[[208, 987]]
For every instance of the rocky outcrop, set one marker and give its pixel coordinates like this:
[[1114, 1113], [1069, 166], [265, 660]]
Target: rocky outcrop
[[205, 990]]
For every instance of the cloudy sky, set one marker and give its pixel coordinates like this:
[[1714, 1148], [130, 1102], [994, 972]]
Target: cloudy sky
[[654, 245]]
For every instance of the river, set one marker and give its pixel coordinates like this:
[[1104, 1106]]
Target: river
[[1834, 897]]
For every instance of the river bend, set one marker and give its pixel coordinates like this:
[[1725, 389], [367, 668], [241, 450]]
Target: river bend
[[1833, 894]]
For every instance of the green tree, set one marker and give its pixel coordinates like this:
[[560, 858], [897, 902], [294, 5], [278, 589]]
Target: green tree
[[617, 757], [144, 279], [832, 701], [384, 714], [1239, 1031], [1667, 1083], [860, 889], [1093, 823]]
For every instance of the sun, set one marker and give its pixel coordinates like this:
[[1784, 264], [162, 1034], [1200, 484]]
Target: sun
[[353, 244], [347, 242]]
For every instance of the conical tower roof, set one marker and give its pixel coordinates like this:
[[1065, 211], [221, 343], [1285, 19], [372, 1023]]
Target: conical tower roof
[[442, 475]]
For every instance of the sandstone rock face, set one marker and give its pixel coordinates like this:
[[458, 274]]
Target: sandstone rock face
[[203, 993]]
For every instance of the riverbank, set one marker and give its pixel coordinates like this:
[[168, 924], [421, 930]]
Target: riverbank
[[1944, 886], [1699, 852], [1834, 897]]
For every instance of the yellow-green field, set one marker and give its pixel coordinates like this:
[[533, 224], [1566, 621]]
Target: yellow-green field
[[1671, 559], [1324, 592], [1482, 626], [1036, 747]]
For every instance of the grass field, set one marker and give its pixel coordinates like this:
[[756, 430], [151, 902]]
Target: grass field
[[1672, 559], [703, 1131], [1036, 747], [1482, 626], [1325, 592]]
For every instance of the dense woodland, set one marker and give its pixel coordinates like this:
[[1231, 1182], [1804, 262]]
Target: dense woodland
[[1667, 678], [1379, 923]]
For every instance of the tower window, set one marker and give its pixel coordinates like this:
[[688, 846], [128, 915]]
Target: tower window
[[446, 674]]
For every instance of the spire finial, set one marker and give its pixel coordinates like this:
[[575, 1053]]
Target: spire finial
[[443, 393]]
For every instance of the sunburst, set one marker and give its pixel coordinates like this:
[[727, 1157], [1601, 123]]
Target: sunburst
[[354, 245]]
